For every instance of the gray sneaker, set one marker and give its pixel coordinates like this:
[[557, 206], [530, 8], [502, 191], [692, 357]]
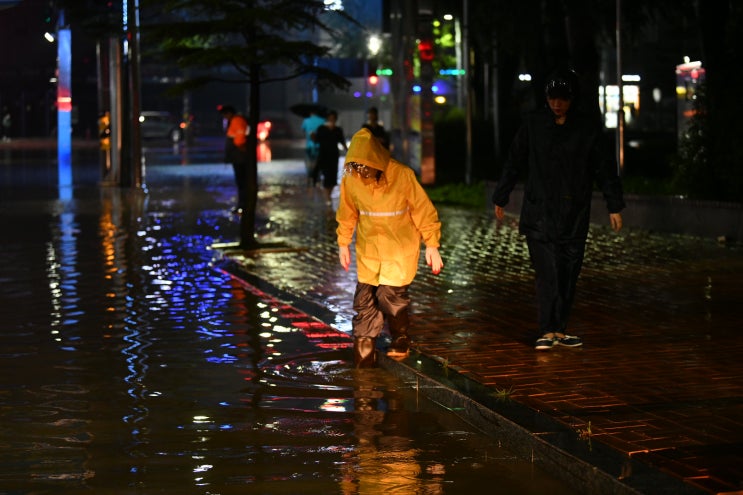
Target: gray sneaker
[[569, 341], [545, 343]]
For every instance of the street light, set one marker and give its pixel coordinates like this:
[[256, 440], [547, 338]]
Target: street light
[[374, 45]]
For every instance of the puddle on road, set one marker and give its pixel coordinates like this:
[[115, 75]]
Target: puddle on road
[[131, 365]]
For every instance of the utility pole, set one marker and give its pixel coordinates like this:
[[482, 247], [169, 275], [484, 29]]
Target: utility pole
[[426, 53], [132, 168], [620, 89]]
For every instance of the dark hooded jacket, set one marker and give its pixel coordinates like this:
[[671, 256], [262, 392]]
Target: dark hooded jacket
[[562, 163]]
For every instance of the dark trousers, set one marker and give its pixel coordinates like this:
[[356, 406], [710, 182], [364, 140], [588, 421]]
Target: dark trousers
[[557, 266], [373, 303], [240, 169]]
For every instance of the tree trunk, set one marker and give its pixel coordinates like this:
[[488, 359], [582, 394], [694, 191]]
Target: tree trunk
[[247, 220]]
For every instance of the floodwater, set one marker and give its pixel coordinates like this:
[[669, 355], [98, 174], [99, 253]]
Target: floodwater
[[130, 364]]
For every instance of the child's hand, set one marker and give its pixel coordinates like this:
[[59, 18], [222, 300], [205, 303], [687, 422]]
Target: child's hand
[[344, 256], [433, 259]]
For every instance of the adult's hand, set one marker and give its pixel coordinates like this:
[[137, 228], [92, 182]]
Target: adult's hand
[[433, 259], [616, 221], [344, 256]]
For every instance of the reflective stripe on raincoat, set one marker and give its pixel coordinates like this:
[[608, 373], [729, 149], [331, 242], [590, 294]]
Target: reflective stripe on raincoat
[[391, 215]]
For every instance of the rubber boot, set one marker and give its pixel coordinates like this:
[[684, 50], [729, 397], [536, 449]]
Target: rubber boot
[[400, 345], [364, 352]]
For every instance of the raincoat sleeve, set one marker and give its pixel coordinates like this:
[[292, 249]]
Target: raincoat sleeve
[[518, 156], [423, 213], [347, 215], [608, 180]]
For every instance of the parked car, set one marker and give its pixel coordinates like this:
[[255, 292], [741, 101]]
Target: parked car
[[161, 125], [280, 128]]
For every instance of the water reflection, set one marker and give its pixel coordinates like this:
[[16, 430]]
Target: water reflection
[[264, 152], [165, 375], [385, 458], [62, 277]]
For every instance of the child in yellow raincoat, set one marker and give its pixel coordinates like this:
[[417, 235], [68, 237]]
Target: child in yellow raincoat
[[381, 199]]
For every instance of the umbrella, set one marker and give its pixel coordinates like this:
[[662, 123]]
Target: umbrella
[[304, 109]]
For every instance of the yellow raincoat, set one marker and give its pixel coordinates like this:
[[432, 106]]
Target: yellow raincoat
[[391, 215]]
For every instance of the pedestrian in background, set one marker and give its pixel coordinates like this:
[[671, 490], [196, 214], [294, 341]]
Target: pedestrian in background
[[383, 202], [236, 151], [311, 149], [328, 136], [377, 129], [560, 150], [7, 123]]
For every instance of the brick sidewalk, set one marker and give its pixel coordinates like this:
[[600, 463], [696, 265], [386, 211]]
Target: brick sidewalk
[[658, 381]]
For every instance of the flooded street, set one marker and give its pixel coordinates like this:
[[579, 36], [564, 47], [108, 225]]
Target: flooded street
[[131, 364]]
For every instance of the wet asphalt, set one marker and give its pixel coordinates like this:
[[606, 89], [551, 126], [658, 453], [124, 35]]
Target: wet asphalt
[[131, 361], [653, 401]]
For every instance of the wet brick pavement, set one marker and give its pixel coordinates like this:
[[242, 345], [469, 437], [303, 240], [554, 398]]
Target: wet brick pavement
[[657, 388]]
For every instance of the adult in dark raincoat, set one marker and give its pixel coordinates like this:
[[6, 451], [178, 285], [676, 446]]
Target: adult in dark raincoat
[[561, 152], [383, 202]]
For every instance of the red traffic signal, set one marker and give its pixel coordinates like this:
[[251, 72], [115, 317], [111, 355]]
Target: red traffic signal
[[425, 50], [373, 80]]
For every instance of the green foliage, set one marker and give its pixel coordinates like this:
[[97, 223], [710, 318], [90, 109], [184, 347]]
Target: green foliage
[[690, 167], [708, 162], [234, 40], [503, 394], [459, 194], [444, 35], [650, 186], [451, 147]]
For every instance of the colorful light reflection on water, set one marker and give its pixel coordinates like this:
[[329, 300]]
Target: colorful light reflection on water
[[132, 365]]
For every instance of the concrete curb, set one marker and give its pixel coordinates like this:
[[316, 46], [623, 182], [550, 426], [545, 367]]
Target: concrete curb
[[586, 464]]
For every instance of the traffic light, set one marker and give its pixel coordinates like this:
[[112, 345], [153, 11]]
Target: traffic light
[[425, 50], [373, 80]]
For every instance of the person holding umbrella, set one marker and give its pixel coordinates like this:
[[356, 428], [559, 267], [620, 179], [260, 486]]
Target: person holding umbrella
[[312, 148]]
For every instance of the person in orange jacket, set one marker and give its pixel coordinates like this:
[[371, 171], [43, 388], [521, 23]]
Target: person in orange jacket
[[382, 201], [236, 151]]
